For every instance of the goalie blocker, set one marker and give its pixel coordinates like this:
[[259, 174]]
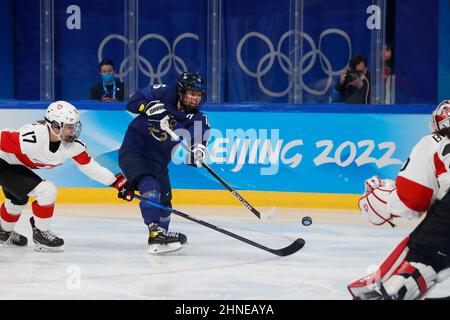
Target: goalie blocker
[[418, 263]]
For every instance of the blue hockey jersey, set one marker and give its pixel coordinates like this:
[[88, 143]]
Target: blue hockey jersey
[[144, 136]]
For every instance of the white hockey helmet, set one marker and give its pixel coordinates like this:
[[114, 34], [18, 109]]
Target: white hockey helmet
[[440, 118], [62, 113]]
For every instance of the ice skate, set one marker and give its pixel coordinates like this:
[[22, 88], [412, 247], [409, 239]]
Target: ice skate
[[160, 240], [46, 241], [12, 239], [181, 236]]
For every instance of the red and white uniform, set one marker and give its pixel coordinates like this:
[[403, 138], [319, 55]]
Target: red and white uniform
[[29, 146], [424, 178], [421, 260]]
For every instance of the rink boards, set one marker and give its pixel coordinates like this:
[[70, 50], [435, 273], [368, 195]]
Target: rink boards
[[312, 156]]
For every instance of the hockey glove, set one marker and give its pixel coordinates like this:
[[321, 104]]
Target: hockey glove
[[154, 109], [199, 153], [373, 204], [157, 114], [126, 191]]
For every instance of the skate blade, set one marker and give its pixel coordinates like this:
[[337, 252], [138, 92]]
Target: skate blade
[[41, 248], [10, 245], [163, 248]]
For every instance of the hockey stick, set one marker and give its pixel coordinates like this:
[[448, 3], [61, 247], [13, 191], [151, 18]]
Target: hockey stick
[[440, 298], [386, 296], [226, 185], [286, 251]]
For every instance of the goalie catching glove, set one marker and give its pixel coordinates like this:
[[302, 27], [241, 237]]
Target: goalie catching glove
[[126, 192], [198, 154], [373, 204]]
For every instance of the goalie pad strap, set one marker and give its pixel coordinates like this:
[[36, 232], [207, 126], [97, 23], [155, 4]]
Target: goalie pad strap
[[408, 269]]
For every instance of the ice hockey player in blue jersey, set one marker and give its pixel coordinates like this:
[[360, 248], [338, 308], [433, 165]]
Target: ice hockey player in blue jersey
[[146, 149]]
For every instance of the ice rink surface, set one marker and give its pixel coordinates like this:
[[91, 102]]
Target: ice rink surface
[[106, 256]]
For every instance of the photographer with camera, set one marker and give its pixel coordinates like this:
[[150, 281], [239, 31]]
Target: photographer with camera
[[354, 83], [110, 89]]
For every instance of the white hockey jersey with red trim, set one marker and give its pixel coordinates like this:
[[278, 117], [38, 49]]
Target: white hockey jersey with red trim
[[30, 146], [424, 177]]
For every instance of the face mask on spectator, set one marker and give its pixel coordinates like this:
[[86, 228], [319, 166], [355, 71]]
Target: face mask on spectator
[[108, 77]]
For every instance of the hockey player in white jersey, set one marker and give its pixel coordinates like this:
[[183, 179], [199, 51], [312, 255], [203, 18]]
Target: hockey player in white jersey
[[44, 144], [421, 260]]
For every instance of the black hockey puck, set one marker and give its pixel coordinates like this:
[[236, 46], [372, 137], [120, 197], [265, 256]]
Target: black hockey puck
[[306, 221]]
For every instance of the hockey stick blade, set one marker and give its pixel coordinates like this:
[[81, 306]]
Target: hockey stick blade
[[286, 251], [290, 249], [269, 214]]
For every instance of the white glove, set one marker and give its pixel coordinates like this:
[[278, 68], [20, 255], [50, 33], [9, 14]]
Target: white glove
[[199, 153], [373, 204]]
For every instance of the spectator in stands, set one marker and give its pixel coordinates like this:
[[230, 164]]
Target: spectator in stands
[[110, 89], [354, 83]]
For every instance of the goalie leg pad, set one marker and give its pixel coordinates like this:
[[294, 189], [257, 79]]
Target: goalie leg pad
[[410, 281], [401, 279], [443, 275], [367, 288]]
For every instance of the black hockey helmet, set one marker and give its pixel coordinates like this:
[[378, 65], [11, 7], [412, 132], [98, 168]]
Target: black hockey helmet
[[190, 81]]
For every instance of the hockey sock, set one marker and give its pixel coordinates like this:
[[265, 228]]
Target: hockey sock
[[42, 215], [149, 189], [164, 220], [10, 213]]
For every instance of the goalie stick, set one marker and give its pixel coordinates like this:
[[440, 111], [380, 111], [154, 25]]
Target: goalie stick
[[386, 296], [286, 251], [226, 185], [440, 298]]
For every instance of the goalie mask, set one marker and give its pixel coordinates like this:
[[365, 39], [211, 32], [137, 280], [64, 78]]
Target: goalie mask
[[440, 118], [190, 101], [65, 118]]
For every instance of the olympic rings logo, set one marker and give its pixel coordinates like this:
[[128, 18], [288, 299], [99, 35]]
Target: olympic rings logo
[[143, 64], [286, 64]]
